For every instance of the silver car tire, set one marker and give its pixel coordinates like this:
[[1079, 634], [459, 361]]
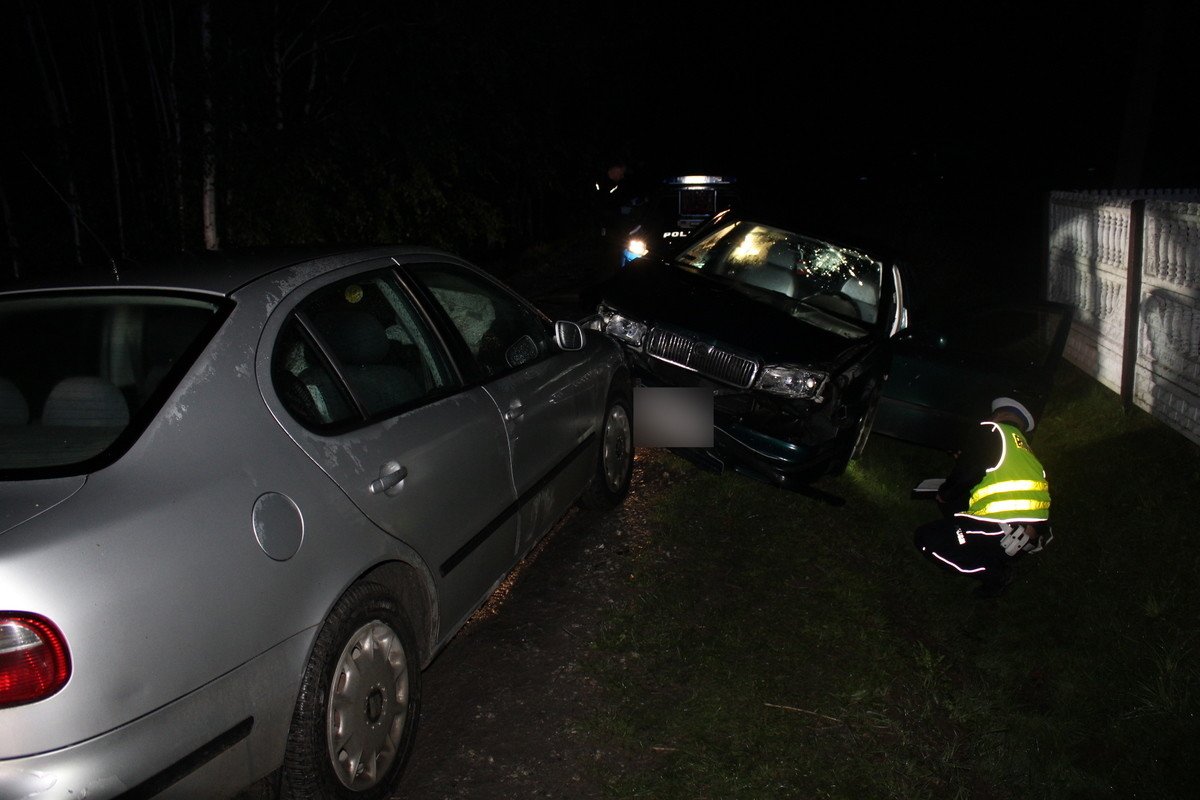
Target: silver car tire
[[359, 702], [614, 462]]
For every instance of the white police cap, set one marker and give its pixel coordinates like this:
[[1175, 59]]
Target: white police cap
[[1015, 407]]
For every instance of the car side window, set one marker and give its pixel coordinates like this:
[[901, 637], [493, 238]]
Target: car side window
[[357, 349], [500, 331]]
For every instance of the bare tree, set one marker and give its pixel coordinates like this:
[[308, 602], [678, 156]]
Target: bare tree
[[158, 39], [114, 161], [60, 118], [212, 240], [306, 46]]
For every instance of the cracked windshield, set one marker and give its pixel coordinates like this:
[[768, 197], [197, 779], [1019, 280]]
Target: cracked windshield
[[822, 283]]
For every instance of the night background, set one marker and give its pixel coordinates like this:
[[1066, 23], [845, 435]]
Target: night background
[[713, 620], [480, 127]]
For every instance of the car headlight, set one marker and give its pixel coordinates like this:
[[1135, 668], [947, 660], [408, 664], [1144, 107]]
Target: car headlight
[[635, 249], [792, 381], [629, 331]]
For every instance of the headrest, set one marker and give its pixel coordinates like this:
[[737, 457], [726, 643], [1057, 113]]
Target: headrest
[[782, 254], [355, 336], [86, 401], [13, 408]]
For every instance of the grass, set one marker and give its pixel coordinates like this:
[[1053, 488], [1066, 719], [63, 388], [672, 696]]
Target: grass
[[777, 647]]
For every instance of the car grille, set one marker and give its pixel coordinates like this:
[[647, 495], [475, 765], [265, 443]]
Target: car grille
[[708, 360]]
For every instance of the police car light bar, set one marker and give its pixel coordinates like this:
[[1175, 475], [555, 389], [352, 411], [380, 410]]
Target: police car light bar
[[695, 180]]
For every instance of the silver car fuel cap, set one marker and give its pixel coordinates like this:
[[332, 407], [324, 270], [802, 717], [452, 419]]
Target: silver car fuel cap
[[278, 525]]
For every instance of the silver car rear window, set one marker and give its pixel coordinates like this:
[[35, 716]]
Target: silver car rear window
[[80, 370]]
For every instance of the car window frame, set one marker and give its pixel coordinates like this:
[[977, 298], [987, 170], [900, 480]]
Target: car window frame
[[294, 311], [141, 417], [461, 351]]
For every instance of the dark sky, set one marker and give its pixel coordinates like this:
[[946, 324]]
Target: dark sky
[[986, 88], [505, 104], [1045, 88]]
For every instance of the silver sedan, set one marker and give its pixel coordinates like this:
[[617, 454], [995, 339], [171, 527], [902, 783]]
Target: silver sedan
[[243, 502]]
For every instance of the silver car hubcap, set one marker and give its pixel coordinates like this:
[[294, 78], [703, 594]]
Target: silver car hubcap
[[617, 447], [368, 705]]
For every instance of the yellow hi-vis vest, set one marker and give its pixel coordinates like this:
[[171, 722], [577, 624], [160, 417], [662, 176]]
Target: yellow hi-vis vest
[[1015, 489]]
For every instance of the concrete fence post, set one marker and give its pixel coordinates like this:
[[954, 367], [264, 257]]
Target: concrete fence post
[[1133, 294]]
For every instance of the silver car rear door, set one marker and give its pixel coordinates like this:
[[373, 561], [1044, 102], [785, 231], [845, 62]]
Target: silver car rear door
[[363, 385]]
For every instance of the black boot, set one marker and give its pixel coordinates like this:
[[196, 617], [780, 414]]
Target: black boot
[[995, 582]]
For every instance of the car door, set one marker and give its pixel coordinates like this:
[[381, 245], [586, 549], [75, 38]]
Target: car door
[[539, 388], [374, 399], [945, 372]]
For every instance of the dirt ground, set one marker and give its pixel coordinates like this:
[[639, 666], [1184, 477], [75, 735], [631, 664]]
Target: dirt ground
[[504, 704]]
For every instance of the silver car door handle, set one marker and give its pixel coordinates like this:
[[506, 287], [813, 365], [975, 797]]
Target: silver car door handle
[[389, 476], [515, 411]]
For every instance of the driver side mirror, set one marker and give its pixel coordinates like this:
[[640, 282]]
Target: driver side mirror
[[568, 335]]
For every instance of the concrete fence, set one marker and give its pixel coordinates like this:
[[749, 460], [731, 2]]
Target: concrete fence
[[1130, 265]]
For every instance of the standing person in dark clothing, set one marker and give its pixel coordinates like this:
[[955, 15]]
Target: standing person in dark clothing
[[995, 503], [613, 214], [610, 198]]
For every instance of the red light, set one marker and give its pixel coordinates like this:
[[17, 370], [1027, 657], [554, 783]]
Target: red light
[[34, 662]]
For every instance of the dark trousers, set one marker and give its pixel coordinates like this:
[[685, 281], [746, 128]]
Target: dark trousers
[[967, 547]]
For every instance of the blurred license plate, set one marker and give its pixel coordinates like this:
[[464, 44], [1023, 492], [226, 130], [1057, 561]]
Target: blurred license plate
[[672, 417]]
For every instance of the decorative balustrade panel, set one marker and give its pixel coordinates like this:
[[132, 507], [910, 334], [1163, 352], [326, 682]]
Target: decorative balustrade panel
[[1167, 376], [1088, 264], [1089, 250]]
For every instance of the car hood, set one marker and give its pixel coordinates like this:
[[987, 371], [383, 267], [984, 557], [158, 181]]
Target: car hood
[[747, 318], [21, 501]]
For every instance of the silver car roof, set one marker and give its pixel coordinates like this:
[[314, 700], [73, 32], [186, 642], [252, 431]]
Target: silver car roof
[[214, 272]]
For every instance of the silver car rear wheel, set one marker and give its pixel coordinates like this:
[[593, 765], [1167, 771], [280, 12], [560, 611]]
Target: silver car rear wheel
[[368, 705], [359, 702]]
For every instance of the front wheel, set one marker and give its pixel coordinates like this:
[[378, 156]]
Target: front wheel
[[614, 465], [861, 435], [356, 714], [864, 428]]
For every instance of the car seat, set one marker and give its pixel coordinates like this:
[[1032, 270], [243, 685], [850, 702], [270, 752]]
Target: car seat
[[776, 272], [86, 402], [14, 410], [864, 296], [360, 344]]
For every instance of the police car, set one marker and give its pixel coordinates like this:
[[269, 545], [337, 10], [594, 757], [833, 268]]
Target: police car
[[678, 206]]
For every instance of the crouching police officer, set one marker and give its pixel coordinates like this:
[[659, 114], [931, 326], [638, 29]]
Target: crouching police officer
[[995, 503]]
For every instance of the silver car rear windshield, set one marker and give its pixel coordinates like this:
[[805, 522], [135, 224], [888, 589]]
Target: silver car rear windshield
[[80, 373], [830, 286]]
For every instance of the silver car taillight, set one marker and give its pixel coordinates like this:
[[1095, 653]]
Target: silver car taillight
[[34, 660]]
